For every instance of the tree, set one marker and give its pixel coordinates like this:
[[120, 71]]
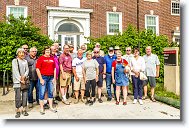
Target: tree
[[13, 34]]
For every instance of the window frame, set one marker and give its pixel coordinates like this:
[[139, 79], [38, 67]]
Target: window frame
[[107, 22], [14, 6], [157, 22], [175, 1]]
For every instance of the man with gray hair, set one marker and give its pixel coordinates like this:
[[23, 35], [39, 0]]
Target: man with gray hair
[[152, 71], [32, 59]]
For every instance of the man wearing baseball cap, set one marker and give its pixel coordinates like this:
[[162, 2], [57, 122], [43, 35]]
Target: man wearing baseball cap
[[108, 61], [116, 48]]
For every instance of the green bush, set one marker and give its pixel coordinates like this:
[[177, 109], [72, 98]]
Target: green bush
[[13, 34], [130, 37]]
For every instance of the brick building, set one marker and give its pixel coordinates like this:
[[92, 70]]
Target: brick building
[[69, 21]]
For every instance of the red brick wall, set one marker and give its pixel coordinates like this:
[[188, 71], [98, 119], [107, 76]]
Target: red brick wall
[[167, 22], [100, 7], [36, 9]]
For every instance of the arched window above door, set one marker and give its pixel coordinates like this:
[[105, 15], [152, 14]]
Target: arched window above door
[[68, 27]]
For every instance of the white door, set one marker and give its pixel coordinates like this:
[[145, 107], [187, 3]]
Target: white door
[[69, 39]]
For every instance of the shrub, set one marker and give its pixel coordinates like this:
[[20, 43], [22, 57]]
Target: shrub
[[130, 37], [13, 34]]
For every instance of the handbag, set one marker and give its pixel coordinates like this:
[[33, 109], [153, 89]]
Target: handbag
[[143, 76], [25, 85]]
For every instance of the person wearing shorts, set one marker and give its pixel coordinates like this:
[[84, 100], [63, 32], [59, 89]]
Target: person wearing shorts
[[65, 62], [102, 71], [152, 71], [79, 82]]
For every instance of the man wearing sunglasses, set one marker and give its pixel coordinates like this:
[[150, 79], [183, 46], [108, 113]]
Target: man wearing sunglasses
[[101, 52], [102, 71], [128, 57], [25, 47]]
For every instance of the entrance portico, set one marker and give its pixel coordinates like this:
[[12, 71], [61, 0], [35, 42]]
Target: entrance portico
[[69, 25]]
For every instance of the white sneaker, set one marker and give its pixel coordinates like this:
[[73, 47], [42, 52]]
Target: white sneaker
[[140, 102], [134, 101]]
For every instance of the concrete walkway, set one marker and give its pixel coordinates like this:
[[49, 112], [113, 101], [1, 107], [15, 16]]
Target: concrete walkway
[[105, 110]]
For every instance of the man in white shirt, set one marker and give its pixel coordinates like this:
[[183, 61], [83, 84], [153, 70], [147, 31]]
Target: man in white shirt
[[128, 56], [152, 71], [79, 82]]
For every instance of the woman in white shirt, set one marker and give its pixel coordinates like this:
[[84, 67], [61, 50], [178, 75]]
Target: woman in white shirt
[[137, 66]]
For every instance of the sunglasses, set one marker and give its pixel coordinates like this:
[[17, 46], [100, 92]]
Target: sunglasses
[[25, 48], [96, 52], [34, 51], [128, 50]]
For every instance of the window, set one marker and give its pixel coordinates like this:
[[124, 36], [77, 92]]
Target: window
[[175, 7], [17, 11], [114, 22], [152, 22]]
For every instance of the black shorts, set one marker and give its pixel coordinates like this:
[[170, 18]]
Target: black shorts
[[100, 80]]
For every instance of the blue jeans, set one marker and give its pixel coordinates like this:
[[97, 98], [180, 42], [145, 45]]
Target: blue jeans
[[108, 85], [48, 85], [137, 84], [33, 83]]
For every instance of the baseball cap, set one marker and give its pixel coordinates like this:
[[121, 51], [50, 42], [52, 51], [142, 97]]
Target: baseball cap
[[111, 48], [71, 45], [116, 48]]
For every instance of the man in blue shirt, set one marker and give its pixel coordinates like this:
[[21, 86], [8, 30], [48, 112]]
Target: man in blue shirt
[[102, 71], [108, 61]]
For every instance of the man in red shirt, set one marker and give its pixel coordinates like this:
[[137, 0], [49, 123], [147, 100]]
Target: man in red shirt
[[65, 62]]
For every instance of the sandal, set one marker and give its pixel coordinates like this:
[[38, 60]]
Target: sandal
[[17, 115], [153, 99], [53, 110], [25, 113], [125, 103], [42, 112], [145, 97], [117, 102]]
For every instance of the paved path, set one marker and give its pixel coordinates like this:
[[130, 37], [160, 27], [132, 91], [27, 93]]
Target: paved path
[[105, 110]]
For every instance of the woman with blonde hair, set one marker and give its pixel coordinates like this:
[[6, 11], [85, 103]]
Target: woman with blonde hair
[[90, 67], [119, 78]]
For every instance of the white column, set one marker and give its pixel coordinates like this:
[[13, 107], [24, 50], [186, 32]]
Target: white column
[[87, 30], [51, 27]]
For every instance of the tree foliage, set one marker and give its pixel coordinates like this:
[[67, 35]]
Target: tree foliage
[[13, 34], [131, 37]]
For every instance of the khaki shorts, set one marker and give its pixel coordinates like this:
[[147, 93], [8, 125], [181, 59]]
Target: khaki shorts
[[79, 85], [66, 82]]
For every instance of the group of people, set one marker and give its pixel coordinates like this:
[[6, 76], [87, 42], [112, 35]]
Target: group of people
[[56, 72]]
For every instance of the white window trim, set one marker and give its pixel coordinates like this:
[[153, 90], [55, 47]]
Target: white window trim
[[9, 6], [157, 21], [175, 1], [152, 0], [107, 23]]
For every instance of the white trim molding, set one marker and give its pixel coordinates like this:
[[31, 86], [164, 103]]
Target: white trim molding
[[107, 22], [15, 6], [152, 0], [77, 16], [178, 2], [157, 22]]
